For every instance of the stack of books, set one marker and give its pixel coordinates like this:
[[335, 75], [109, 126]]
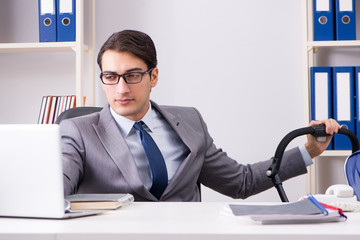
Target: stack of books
[[53, 106]]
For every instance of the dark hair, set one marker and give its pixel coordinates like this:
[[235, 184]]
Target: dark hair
[[131, 41]]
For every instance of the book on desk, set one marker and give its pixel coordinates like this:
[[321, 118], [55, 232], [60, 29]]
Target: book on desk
[[93, 201]]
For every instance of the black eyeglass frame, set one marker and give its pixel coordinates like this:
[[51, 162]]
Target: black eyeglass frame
[[123, 76]]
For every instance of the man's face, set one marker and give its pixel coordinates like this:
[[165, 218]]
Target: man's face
[[128, 100]]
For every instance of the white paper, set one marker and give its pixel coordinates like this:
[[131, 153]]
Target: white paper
[[345, 5], [322, 5], [321, 96], [333, 216], [343, 97], [358, 97], [65, 6], [47, 7]]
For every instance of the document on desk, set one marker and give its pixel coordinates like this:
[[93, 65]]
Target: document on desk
[[303, 211]]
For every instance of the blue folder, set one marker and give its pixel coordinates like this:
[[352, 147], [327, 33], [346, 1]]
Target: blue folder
[[357, 101], [66, 21], [324, 26], [344, 104], [345, 20], [47, 21], [321, 94]]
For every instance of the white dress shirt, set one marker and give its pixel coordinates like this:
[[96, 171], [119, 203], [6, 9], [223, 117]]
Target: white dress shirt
[[172, 148]]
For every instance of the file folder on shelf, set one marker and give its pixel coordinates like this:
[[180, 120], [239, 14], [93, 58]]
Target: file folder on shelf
[[47, 21], [324, 26], [66, 21], [345, 20], [357, 102], [321, 94], [343, 101]]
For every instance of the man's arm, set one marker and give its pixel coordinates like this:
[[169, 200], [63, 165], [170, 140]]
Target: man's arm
[[72, 155]]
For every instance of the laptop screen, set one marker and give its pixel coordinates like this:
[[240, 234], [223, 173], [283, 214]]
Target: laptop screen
[[31, 179]]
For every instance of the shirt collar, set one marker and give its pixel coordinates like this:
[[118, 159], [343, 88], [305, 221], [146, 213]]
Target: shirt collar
[[126, 125]]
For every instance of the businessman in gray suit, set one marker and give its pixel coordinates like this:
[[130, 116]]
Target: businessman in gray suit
[[105, 152]]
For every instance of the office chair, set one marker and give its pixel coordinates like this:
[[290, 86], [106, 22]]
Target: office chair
[[76, 112]]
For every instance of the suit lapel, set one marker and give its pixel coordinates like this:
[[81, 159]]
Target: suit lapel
[[178, 125], [112, 140]]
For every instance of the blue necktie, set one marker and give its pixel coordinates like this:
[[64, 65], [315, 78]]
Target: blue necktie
[[156, 161]]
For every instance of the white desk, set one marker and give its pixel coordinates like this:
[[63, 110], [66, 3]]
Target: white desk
[[156, 221]]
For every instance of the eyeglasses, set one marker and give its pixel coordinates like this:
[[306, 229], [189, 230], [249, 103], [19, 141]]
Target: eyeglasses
[[129, 78]]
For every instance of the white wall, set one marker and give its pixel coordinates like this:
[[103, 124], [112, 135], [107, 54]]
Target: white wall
[[238, 61]]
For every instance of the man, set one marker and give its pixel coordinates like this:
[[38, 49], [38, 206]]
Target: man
[[114, 151]]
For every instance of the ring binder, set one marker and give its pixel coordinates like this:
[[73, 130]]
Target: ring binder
[[345, 20], [343, 102], [324, 20], [66, 21], [47, 21]]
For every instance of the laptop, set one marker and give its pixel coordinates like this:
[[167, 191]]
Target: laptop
[[31, 176]]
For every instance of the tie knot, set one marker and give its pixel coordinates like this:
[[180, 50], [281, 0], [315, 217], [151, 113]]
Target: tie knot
[[138, 125]]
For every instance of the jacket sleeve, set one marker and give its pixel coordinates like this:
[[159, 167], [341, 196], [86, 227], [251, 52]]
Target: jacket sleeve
[[232, 178], [73, 155]]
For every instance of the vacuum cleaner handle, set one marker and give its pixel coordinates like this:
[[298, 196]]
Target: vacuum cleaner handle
[[316, 131]]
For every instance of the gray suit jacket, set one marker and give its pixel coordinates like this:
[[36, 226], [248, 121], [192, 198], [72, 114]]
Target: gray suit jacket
[[96, 159]]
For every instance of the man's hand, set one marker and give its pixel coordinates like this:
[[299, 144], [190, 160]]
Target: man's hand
[[314, 147]]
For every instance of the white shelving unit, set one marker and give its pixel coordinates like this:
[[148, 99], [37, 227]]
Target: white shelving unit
[[78, 47], [310, 49]]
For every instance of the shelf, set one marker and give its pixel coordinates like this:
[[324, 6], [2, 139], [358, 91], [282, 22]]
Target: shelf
[[78, 47], [336, 153], [355, 43], [310, 48], [39, 47]]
